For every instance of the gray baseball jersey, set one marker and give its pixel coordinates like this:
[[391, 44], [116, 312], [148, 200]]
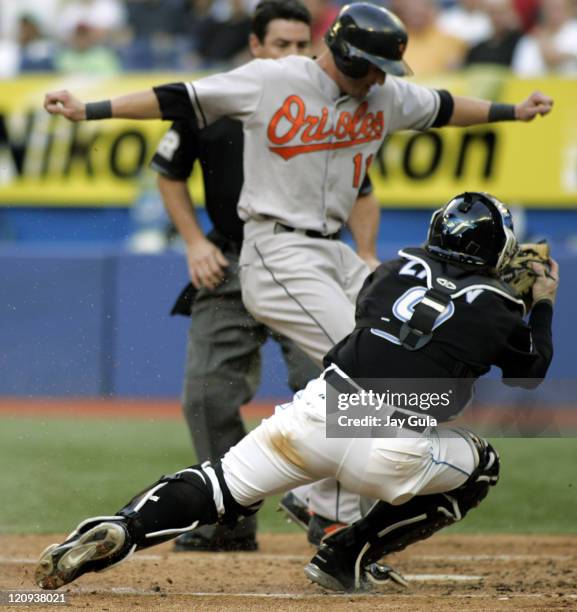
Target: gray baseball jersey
[[307, 146]]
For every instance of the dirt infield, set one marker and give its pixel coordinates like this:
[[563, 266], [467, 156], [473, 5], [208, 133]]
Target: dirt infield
[[447, 573]]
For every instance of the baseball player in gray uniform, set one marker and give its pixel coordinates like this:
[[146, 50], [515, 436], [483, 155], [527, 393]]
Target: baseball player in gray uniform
[[223, 355], [311, 128]]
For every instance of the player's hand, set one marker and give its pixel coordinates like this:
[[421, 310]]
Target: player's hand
[[536, 104], [545, 286], [65, 104], [206, 264]]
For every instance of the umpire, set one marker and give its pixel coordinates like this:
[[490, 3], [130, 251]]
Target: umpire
[[223, 355]]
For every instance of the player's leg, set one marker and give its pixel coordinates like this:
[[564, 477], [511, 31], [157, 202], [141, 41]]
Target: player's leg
[[175, 504], [222, 374], [301, 369], [263, 463], [291, 284], [431, 501], [294, 284]]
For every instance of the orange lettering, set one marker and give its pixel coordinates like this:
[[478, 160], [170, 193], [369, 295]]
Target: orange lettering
[[285, 113], [349, 130]]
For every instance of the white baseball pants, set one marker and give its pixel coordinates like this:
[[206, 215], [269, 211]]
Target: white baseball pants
[[304, 288], [290, 449]]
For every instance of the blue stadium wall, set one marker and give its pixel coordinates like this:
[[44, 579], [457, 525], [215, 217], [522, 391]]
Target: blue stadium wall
[[81, 316]]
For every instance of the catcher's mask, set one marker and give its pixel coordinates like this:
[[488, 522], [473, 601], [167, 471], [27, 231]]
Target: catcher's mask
[[365, 34], [475, 229]]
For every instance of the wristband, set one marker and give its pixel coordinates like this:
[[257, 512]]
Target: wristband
[[501, 112], [98, 110]]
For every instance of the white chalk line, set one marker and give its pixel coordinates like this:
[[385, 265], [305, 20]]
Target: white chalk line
[[279, 557], [491, 557], [373, 594]]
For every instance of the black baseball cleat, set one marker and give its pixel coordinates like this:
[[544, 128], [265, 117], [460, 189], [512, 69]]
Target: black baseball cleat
[[295, 511], [195, 542], [337, 571], [320, 527], [88, 549]]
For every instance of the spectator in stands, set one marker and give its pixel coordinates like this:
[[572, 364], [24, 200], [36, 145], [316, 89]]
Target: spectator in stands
[[323, 13], [498, 49], [44, 12], [466, 20], [222, 39], [430, 50], [552, 45], [37, 52], [84, 53], [158, 34], [528, 11], [9, 57], [105, 18]]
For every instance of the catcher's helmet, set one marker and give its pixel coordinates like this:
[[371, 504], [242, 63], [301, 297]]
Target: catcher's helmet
[[365, 34], [474, 228]]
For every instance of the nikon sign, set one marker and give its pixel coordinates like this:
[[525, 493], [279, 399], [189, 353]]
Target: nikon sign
[[44, 160]]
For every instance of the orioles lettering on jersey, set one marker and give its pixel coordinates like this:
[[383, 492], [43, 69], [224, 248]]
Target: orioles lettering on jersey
[[291, 124]]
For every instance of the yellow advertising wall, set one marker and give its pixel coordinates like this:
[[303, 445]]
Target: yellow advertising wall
[[45, 160]]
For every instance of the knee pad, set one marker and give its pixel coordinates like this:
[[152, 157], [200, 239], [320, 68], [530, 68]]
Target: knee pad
[[486, 474]]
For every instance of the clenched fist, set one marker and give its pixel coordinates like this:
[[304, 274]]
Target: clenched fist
[[536, 104], [65, 104]]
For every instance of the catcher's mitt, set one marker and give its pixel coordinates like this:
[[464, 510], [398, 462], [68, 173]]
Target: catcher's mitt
[[519, 274]]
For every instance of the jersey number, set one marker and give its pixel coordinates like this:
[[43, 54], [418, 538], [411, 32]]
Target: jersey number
[[404, 307], [358, 162]]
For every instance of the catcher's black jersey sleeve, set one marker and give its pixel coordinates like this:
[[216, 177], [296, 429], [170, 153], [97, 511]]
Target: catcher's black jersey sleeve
[[529, 349], [480, 330]]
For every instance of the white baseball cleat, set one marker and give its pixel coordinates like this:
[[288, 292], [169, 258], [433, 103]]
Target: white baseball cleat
[[97, 548]]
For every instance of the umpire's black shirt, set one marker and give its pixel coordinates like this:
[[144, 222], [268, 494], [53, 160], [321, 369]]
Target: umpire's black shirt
[[219, 149]]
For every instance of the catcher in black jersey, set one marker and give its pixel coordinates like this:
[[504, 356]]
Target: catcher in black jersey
[[437, 311]]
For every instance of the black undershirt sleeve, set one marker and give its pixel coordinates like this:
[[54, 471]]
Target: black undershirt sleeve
[[446, 107], [174, 102], [540, 321], [530, 349]]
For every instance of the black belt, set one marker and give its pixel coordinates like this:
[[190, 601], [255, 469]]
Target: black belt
[[280, 228], [336, 381]]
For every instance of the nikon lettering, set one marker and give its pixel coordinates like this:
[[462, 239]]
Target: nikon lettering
[[46, 161]]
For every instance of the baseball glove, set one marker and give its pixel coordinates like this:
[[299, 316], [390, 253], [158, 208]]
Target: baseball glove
[[519, 274]]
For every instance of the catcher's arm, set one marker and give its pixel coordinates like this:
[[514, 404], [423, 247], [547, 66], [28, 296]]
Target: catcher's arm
[[530, 348]]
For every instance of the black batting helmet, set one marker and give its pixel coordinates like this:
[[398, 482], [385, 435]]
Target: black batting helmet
[[365, 34], [474, 228]]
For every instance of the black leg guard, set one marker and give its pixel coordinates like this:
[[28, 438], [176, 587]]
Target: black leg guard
[[387, 529], [179, 503], [175, 504]]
